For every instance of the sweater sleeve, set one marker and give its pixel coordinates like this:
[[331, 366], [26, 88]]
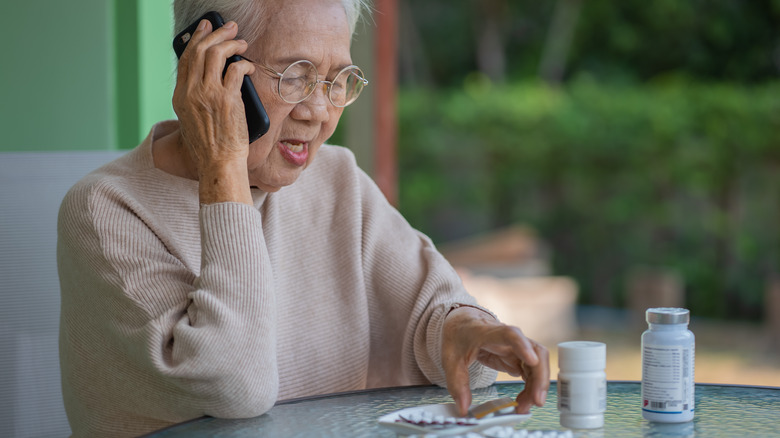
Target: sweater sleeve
[[143, 337], [413, 288]]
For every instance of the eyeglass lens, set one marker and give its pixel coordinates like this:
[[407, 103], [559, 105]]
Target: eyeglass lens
[[299, 81]]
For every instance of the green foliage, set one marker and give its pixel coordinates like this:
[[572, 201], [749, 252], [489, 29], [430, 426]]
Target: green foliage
[[627, 40], [672, 174], [714, 39]]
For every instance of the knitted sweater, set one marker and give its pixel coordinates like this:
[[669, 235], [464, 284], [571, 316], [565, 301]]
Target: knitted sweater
[[172, 310]]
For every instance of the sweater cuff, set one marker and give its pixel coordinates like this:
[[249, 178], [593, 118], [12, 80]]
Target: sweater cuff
[[454, 306], [229, 220], [232, 236]]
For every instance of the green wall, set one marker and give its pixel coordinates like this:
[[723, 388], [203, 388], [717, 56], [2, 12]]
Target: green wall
[[97, 74], [84, 74]]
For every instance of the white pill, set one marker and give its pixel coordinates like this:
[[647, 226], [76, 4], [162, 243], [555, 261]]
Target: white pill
[[492, 432]]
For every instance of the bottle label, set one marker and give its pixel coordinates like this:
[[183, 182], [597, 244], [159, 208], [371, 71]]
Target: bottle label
[[583, 395], [667, 379]]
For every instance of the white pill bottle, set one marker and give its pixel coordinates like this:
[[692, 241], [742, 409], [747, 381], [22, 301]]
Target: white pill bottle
[[582, 384], [668, 349]]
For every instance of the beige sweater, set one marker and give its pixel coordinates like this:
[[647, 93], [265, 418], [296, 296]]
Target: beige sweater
[[172, 310]]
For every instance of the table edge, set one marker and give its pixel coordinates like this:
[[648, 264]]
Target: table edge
[[501, 382]]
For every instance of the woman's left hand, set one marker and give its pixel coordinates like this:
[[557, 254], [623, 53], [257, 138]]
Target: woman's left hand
[[471, 334]]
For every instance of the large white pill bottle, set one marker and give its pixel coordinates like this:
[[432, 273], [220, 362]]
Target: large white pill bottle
[[667, 366]]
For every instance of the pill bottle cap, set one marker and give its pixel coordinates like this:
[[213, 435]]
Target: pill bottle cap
[[582, 356], [667, 315]]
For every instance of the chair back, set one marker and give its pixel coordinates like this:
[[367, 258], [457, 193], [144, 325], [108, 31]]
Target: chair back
[[32, 185]]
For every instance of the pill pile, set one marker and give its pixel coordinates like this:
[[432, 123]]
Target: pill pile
[[468, 435], [509, 432]]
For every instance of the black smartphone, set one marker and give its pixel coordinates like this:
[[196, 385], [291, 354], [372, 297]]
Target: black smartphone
[[256, 118]]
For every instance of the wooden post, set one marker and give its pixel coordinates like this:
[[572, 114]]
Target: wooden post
[[385, 84]]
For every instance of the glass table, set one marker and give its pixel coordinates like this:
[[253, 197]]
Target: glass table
[[721, 411]]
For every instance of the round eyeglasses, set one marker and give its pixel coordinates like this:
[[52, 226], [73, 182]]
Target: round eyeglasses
[[299, 80]]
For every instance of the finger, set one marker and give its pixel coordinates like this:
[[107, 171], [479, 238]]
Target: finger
[[226, 32], [217, 55], [218, 46], [522, 346], [537, 382], [236, 72], [458, 386], [510, 345], [541, 382], [208, 39], [510, 341], [185, 63], [513, 367], [509, 364], [204, 29], [203, 48]]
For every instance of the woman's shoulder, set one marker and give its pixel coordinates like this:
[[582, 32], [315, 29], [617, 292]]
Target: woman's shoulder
[[98, 178], [130, 171], [112, 174], [125, 183]]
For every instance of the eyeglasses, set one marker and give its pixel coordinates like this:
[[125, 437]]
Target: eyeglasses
[[298, 81]]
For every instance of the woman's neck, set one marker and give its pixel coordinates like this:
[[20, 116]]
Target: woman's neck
[[171, 156]]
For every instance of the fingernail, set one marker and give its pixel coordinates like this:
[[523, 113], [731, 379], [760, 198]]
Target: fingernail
[[202, 24], [230, 24], [543, 396]]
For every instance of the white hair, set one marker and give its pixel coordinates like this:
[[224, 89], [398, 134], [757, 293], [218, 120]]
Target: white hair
[[251, 15]]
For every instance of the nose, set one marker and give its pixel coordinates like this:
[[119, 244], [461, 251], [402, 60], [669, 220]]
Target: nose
[[316, 106]]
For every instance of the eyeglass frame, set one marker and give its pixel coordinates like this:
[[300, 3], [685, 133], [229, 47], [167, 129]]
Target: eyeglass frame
[[328, 84]]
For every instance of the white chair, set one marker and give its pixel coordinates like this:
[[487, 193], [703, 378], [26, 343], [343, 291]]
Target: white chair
[[32, 185]]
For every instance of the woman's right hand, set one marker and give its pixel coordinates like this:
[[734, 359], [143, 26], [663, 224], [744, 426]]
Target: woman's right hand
[[211, 113]]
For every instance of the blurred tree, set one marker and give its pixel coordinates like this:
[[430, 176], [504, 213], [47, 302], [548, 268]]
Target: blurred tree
[[413, 56], [559, 39], [490, 16], [436, 42], [630, 40], [731, 40]]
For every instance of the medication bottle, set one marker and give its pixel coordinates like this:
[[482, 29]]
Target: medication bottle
[[582, 384], [667, 366]]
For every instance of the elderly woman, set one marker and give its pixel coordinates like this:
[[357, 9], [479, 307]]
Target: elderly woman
[[204, 275]]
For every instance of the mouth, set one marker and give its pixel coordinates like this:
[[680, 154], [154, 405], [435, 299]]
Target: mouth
[[296, 152]]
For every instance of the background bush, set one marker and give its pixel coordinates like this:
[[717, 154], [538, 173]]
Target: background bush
[[673, 174]]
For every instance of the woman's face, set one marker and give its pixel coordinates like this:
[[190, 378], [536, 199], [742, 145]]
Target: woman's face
[[314, 30]]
